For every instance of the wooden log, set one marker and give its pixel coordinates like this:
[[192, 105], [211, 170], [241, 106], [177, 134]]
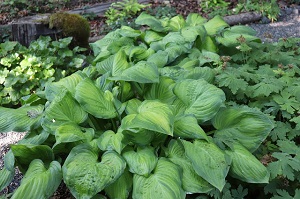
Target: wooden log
[[30, 28], [243, 18]]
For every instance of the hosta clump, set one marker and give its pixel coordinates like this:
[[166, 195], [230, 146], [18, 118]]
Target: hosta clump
[[26, 70], [143, 121]]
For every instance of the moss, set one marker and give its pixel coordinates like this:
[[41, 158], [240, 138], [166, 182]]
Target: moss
[[72, 25]]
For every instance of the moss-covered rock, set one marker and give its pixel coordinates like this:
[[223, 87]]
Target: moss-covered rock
[[72, 25]]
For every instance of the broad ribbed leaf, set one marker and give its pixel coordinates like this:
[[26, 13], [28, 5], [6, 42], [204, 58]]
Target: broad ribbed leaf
[[141, 72], [151, 36], [186, 126], [177, 23], [70, 82], [24, 154], [106, 65], [159, 59], [127, 31], [85, 176], [21, 119], [63, 109], [191, 33], [120, 63], [111, 141], [205, 73], [246, 167], [201, 98], [140, 161], [39, 181], [208, 57], [165, 182], [7, 173], [215, 25], [71, 132], [94, 100], [141, 137], [242, 125], [191, 181], [121, 188], [152, 115], [163, 91], [133, 106], [209, 161], [154, 23], [194, 19]]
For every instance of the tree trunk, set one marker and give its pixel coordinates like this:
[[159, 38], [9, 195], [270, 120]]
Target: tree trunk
[[30, 28]]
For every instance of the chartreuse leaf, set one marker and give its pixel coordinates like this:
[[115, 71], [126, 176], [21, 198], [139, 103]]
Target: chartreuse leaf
[[110, 140], [85, 176], [152, 115], [151, 36], [21, 119], [120, 63], [191, 181], [215, 25], [121, 187], [25, 153], [246, 126], [191, 33], [63, 109], [186, 127], [95, 101], [162, 91], [133, 106], [39, 181], [140, 161], [209, 161], [69, 83], [177, 23], [194, 19], [141, 72], [201, 98], [165, 182], [246, 167]]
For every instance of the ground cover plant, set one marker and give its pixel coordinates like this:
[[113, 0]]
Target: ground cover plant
[[158, 114], [27, 70]]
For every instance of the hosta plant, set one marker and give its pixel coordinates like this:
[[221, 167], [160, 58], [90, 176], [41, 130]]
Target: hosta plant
[[143, 121]]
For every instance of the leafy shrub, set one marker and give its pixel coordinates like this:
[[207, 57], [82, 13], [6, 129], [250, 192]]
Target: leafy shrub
[[25, 71], [143, 121]]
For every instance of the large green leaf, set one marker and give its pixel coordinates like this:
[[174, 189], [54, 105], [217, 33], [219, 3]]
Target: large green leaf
[[121, 188], [246, 126], [246, 167], [201, 98], [152, 115], [7, 173], [95, 101], [63, 109], [192, 33], [176, 23], [21, 119], [162, 91], [110, 140], [194, 19], [209, 161], [160, 59], [165, 182], [215, 25], [151, 36], [70, 82], [120, 63], [85, 176], [186, 126], [141, 137], [154, 23], [191, 181], [39, 181], [141, 72], [25, 153], [140, 161]]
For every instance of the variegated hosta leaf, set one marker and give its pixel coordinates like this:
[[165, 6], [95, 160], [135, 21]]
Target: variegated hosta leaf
[[244, 125], [191, 181], [142, 161], [186, 126], [132, 106], [141, 137], [95, 101], [63, 109], [39, 181], [247, 167], [69, 83], [201, 98], [152, 115], [25, 153], [121, 188], [21, 119], [85, 176], [209, 161], [162, 91], [165, 182], [110, 140], [215, 25]]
